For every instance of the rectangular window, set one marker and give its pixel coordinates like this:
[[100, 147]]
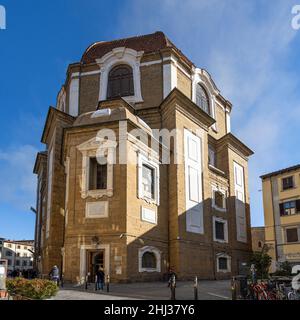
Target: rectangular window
[[212, 156], [17, 262], [148, 180], [287, 183], [98, 175], [220, 232], [288, 208], [8, 253], [292, 235], [9, 262], [223, 263], [219, 199], [24, 263]]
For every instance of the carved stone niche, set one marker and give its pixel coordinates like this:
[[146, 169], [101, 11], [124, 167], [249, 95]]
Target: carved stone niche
[[92, 148]]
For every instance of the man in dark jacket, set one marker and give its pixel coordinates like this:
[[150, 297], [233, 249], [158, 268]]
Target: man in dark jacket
[[100, 279], [54, 274]]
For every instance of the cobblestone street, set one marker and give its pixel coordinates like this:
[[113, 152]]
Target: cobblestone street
[[208, 290]]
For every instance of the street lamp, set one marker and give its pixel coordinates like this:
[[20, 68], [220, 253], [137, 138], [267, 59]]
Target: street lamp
[[33, 210]]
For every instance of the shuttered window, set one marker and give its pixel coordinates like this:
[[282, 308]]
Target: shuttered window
[[240, 203], [292, 235], [120, 82], [223, 265], [98, 175], [287, 183], [220, 232], [148, 181]]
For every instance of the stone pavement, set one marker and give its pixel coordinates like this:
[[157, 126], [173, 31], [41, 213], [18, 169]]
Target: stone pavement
[[208, 290], [66, 294]]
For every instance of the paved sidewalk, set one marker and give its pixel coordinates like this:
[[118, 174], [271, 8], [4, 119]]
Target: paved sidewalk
[[65, 294], [208, 290]]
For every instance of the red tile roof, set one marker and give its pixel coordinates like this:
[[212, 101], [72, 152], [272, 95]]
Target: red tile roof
[[147, 43]]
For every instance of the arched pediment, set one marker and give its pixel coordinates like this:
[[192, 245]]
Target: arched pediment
[[203, 77], [117, 56]]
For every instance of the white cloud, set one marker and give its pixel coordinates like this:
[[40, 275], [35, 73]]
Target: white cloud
[[18, 183]]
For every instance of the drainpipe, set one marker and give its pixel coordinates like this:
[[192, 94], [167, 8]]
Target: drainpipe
[[274, 223]]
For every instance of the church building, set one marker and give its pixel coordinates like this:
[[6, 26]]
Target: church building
[[141, 172]]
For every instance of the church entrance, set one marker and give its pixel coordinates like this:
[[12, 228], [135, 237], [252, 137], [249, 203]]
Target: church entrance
[[95, 260]]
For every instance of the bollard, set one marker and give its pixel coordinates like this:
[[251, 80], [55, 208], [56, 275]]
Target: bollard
[[173, 287], [107, 283], [233, 288], [86, 282], [196, 288], [96, 284]]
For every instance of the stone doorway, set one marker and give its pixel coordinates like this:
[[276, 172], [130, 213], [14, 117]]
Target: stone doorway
[[95, 260]]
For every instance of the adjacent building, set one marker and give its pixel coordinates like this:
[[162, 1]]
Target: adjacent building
[[19, 254], [1, 246], [281, 198], [141, 172]]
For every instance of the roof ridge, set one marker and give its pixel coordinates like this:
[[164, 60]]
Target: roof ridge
[[280, 171]]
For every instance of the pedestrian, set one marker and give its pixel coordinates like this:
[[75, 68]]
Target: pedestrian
[[54, 275], [100, 279], [253, 274], [171, 274]]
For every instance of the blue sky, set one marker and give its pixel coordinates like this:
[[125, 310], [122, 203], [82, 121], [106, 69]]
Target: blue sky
[[249, 48]]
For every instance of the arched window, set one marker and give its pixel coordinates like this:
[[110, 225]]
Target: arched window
[[120, 82], [259, 244], [149, 260], [202, 99]]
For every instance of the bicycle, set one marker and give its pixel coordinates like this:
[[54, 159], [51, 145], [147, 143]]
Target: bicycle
[[293, 295]]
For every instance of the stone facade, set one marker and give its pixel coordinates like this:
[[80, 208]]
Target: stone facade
[[197, 221]]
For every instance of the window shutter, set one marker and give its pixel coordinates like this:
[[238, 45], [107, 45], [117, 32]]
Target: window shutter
[[281, 207], [241, 223], [298, 205], [292, 235]]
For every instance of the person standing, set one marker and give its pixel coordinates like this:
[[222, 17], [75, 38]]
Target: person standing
[[100, 279], [54, 275], [171, 274]]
